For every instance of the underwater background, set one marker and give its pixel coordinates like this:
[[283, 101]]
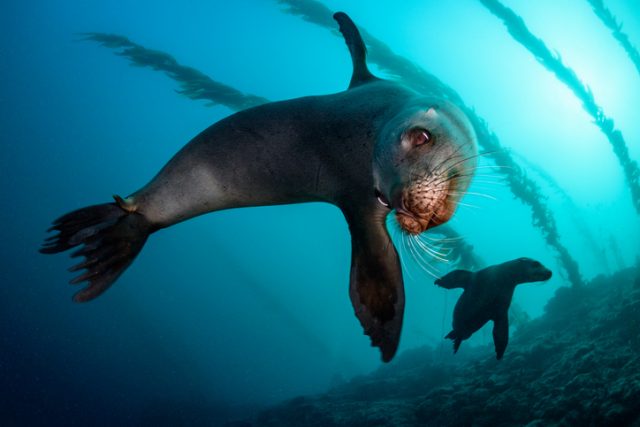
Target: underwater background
[[224, 315]]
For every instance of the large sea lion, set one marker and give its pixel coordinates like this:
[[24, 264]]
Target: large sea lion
[[487, 296], [372, 148]]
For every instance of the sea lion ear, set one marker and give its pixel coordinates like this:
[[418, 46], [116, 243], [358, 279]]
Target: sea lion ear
[[376, 287], [455, 279]]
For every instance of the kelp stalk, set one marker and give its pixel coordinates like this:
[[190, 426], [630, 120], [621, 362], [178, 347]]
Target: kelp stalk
[[576, 217], [553, 63], [193, 83], [609, 20]]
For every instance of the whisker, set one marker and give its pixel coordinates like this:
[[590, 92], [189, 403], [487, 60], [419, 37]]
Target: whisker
[[467, 210], [414, 252], [489, 175], [492, 167], [404, 265], [432, 171], [442, 167], [431, 269], [437, 255], [408, 249], [478, 181], [425, 265], [442, 180], [466, 159], [474, 182], [452, 220], [457, 175], [437, 245], [471, 193], [468, 205], [441, 239], [420, 259]]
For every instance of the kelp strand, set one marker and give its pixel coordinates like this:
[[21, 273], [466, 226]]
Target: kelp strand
[[553, 63]]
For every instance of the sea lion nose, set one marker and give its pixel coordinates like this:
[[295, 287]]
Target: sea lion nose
[[401, 207]]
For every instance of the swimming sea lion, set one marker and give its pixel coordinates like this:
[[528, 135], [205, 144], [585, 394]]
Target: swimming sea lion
[[317, 148], [487, 296]]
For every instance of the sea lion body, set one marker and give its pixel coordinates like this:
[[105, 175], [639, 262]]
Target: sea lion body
[[317, 148], [487, 297]]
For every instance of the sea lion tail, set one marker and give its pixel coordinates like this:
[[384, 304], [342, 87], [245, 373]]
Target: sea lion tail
[[112, 235]]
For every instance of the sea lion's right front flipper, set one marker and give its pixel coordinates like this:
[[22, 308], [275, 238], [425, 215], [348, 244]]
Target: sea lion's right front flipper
[[376, 287], [455, 279], [501, 334]]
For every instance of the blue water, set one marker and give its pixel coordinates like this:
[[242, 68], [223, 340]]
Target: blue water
[[235, 310]]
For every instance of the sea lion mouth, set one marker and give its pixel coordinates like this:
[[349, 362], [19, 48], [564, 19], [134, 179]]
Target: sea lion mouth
[[416, 224], [422, 207], [542, 276], [411, 223]]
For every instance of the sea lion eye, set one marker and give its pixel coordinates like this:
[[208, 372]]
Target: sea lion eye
[[383, 200], [421, 137]]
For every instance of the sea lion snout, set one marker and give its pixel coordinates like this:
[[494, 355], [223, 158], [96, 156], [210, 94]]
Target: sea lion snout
[[412, 224], [542, 276], [528, 270], [423, 205], [542, 273]]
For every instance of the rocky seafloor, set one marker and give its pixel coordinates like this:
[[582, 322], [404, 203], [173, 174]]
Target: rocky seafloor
[[578, 364]]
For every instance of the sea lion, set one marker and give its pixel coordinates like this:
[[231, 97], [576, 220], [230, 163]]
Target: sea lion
[[317, 148], [487, 296]]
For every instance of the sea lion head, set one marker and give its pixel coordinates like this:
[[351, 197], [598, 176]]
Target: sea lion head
[[423, 163], [527, 270]]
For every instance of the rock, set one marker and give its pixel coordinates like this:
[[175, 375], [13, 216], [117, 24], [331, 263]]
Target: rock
[[578, 364]]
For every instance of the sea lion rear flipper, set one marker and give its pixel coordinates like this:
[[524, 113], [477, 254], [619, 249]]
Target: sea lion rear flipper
[[501, 334], [376, 287], [455, 279], [111, 235], [357, 49]]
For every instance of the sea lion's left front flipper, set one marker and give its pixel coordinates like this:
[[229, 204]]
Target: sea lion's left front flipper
[[455, 279], [376, 288], [501, 334], [357, 49]]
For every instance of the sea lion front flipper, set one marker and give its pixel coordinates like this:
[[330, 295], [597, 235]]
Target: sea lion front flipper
[[501, 334], [455, 279], [376, 287], [453, 336], [357, 49]]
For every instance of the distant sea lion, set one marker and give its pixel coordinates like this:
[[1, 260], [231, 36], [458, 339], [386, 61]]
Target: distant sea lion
[[329, 148], [487, 296]]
